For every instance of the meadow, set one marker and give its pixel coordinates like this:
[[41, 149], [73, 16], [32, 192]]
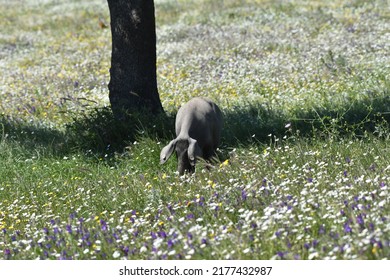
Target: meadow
[[303, 171]]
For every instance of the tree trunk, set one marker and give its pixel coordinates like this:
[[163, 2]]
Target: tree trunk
[[133, 82]]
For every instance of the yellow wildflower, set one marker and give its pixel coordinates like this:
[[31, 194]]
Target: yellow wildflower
[[225, 163]]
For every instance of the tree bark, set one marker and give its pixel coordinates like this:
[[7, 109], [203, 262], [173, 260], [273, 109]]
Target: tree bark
[[133, 80]]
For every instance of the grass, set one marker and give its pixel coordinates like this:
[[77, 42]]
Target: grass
[[303, 169]]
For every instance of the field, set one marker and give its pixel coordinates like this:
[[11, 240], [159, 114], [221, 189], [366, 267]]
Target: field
[[303, 171]]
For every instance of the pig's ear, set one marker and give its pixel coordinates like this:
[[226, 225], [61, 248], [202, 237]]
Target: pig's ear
[[167, 151], [194, 151]]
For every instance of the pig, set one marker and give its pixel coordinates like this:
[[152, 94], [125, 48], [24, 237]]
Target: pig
[[198, 128]]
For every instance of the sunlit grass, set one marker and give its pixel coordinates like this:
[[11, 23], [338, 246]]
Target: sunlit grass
[[290, 199]]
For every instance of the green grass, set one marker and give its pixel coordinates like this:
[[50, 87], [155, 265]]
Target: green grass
[[303, 169]]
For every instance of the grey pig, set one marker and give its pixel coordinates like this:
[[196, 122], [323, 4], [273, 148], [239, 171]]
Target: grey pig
[[198, 131]]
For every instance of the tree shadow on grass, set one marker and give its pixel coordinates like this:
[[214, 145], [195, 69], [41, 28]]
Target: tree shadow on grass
[[95, 133], [99, 133], [32, 137], [257, 122], [243, 125]]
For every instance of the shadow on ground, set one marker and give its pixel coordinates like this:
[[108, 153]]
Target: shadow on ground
[[31, 136], [256, 122], [100, 133]]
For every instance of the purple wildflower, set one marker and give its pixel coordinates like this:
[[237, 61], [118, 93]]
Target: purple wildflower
[[342, 248], [103, 224], [243, 195], [69, 228], [86, 236], [63, 255], [360, 220], [7, 252], [170, 208], [190, 216], [201, 200], [347, 228], [125, 250]]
